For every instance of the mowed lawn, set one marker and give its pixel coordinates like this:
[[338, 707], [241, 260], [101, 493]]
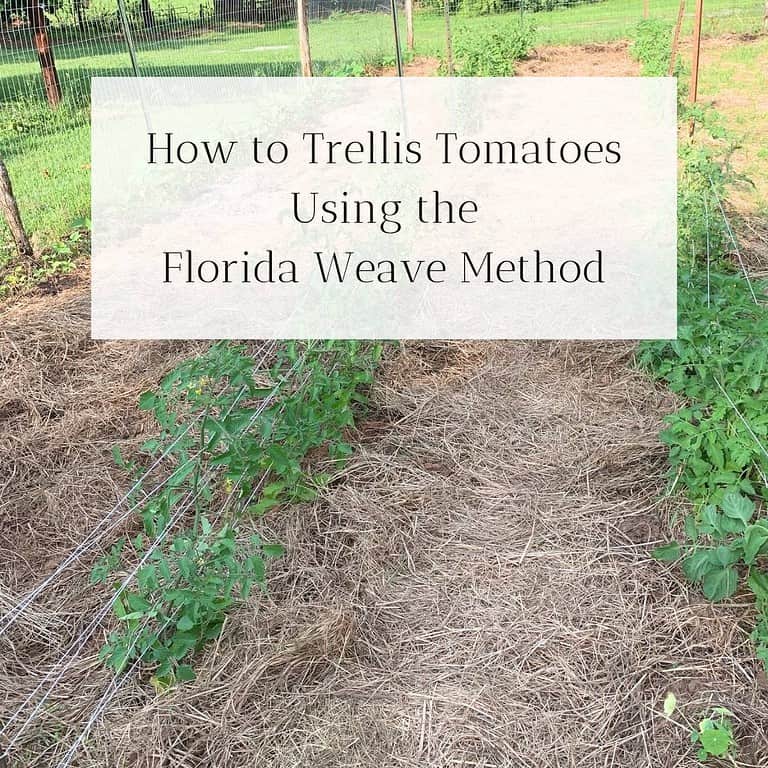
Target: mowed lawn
[[48, 154]]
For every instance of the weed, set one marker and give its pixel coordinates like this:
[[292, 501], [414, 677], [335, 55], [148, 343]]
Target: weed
[[715, 735]]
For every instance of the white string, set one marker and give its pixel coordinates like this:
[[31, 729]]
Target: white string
[[709, 255], [83, 638], [733, 240], [114, 687], [96, 534]]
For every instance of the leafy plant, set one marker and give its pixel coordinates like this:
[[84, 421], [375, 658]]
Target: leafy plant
[[720, 538], [652, 47], [491, 51], [715, 735], [719, 366], [59, 259], [224, 434]]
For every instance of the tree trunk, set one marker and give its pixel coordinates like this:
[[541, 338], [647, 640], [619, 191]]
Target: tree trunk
[[44, 52], [78, 4], [12, 216], [146, 14]]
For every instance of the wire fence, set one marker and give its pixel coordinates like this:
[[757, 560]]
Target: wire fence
[[49, 54]]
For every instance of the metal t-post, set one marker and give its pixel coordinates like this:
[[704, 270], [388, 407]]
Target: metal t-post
[[398, 52], [128, 37]]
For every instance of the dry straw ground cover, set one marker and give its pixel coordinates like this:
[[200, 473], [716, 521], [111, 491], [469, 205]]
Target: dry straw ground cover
[[476, 589]]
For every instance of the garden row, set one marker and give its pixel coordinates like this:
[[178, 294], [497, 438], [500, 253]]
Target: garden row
[[718, 366]]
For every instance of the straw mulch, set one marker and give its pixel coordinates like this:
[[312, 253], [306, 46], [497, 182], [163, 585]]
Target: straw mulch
[[475, 589]]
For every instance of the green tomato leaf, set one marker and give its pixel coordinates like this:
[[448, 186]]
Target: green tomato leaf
[[738, 507], [185, 673], [147, 401], [667, 552], [273, 550], [755, 538], [720, 583]]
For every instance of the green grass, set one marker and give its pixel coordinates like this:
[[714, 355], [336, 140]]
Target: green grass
[[733, 78], [47, 153]]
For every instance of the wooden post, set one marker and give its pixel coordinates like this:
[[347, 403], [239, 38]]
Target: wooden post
[[302, 18], [12, 216], [448, 37], [409, 24], [646, 10], [676, 39], [39, 25], [696, 57]]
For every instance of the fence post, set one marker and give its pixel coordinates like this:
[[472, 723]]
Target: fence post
[[409, 24], [44, 52], [396, 30], [676, 39], [646, 9], [302, 18], [128, 38], [696, 56], [12, 216], [448, 38]]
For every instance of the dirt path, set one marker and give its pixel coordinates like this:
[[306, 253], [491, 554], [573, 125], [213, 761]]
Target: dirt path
[[476, 590], [603, 60]]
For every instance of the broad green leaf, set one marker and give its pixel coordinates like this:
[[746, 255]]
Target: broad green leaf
[[147, 401], [670, 704], [727, 555], [758, 583], [755, 538], [185, 673], [697, 564], [715, 742], [739, 507], [185, 623], [720, 583]]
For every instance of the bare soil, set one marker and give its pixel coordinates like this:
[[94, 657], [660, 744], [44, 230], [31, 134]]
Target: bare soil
[[603, 60]]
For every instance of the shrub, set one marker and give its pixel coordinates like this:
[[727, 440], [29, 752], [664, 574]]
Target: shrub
[[480, 7], [653, 47], [491, 52]]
